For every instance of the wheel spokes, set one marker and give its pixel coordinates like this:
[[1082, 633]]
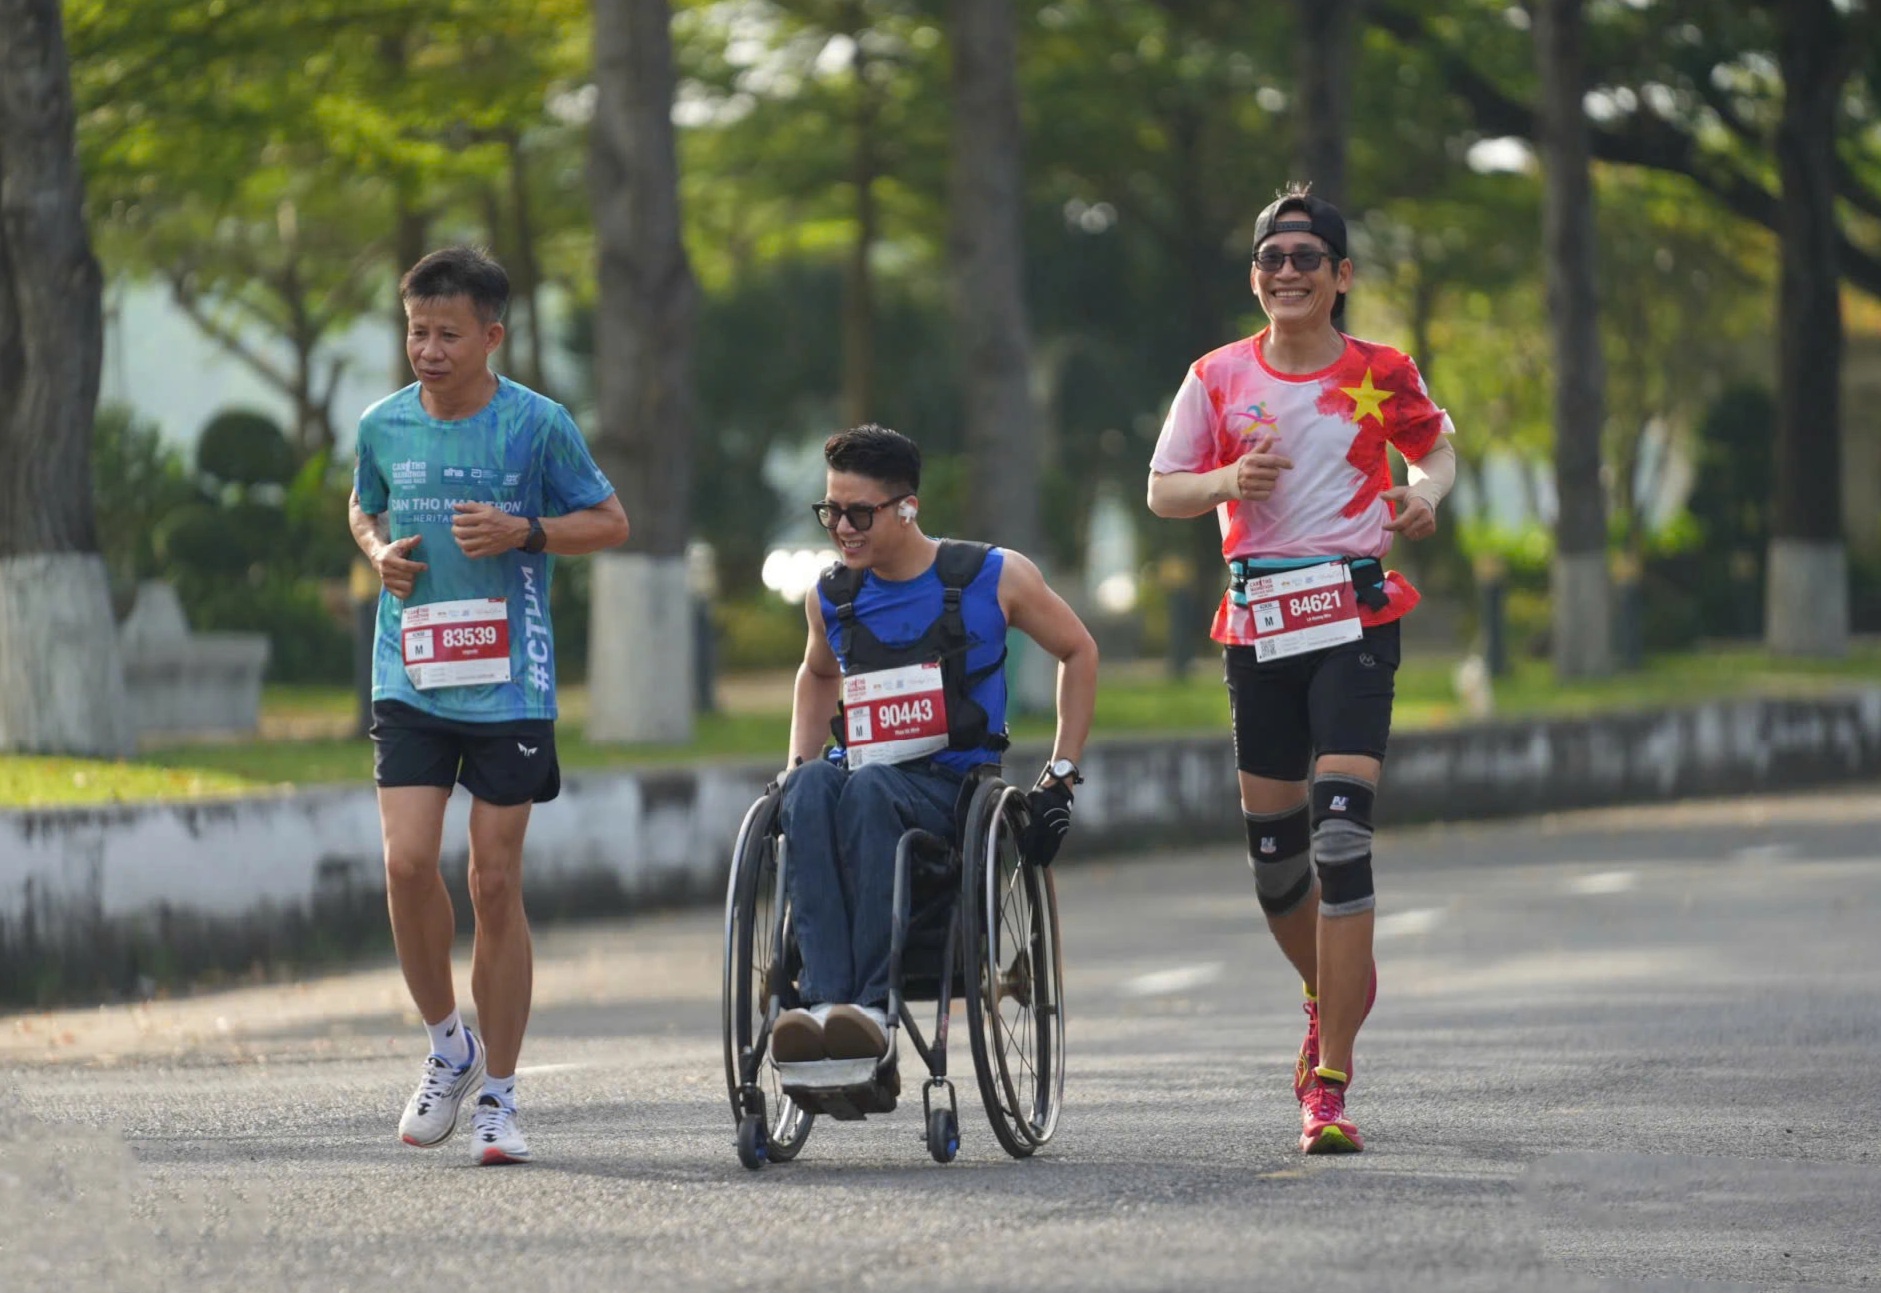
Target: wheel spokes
[[1012, 980]]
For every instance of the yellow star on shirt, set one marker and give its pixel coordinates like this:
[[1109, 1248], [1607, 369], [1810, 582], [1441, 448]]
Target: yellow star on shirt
[[1366, 399]]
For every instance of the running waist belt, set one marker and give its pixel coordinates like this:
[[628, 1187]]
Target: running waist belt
[[1368, 576]]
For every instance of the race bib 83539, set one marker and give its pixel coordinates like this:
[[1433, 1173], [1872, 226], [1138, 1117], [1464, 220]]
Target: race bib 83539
[[456, 644]]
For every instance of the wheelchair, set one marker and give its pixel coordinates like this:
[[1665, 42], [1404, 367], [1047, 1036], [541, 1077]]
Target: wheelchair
[[975, 920]]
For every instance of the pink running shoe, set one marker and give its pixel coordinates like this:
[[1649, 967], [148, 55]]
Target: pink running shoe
[[1324, 1128], [1309, 1049], [1303, 1067]]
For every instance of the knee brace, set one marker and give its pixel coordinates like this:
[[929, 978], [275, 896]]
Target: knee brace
[[1342, 843], [1278, 848]]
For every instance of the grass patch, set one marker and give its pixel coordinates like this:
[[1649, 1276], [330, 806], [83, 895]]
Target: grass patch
[[1134, 699], [29, 782]]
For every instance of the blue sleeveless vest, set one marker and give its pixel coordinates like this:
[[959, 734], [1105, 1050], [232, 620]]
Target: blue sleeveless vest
[[950, 612]]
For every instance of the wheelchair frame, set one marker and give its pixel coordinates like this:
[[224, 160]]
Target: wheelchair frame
[[1000, 951]]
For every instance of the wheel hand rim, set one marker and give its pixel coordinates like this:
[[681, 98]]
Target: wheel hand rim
[[1015, 1037]]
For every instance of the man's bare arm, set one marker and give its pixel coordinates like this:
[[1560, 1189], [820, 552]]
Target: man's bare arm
[[1034, 609], [1251, 478], [485, 531], [1180, 494], [369, 530], [392, 559]]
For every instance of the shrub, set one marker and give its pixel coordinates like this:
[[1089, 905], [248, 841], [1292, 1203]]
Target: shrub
[[759, 632], [306, 644], [242, 447]]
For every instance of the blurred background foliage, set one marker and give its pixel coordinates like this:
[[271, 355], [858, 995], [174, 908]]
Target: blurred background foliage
[[274, 167]]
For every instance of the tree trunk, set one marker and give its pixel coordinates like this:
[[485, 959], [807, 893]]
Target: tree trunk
[[1325, 51], [1425, 294], [1806, 606], [1583, 645], [61, 681], [410, 225], [642, 380], [61, 678], [986, 202], [525, 268], [410, 229], [1197, 239], [859, 276]]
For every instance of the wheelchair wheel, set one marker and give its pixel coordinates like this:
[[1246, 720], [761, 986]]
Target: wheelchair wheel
[[756, 926], [943, 1135], [1014, 974]]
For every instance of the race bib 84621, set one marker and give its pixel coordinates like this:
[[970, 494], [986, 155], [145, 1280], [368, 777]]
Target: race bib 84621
[[1291, 612]]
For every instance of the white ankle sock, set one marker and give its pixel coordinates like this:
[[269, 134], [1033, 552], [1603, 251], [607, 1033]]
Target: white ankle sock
[[504, 1089], [449, 1040]]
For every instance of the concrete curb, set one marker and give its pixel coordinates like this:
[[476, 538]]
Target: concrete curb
[[107, 902]]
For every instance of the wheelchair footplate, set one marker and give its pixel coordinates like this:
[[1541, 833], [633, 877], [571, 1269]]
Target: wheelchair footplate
[[845, 1090]]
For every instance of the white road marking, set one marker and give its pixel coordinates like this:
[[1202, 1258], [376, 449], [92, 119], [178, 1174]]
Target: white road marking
[[1399, 924], [1604, 882], [1163, 983], [1763, 853], [537, 1070]]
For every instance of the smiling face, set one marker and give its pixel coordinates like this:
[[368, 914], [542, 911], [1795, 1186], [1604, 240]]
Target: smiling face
[[449, 346], [1297, 302], [887, 535]]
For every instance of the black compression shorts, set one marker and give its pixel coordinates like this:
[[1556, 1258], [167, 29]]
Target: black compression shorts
[[1336, 700]]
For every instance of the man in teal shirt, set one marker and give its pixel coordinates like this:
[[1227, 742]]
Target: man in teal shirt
[[465, 484]]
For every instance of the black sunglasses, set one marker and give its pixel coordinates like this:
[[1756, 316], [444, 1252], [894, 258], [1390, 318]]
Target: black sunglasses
[[1307, 259], [861, 515]]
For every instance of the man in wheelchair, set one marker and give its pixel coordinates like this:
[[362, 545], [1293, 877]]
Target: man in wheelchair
[[905, 663]]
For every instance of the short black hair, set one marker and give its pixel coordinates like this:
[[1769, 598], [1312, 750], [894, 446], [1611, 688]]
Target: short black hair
[[459, 271], [878, 453]]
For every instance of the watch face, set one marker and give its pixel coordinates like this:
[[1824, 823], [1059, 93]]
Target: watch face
[[1064, 769]]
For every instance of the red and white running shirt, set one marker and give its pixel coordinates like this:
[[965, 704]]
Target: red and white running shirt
[[1334, 425]]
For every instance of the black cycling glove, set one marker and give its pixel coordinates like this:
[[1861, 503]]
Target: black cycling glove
[[1051, 822]]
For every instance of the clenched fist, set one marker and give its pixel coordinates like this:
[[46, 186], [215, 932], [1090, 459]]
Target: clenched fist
[[485, 531]]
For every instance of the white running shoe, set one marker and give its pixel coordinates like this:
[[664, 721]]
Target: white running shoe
[[431, 1114], [496, 1136]]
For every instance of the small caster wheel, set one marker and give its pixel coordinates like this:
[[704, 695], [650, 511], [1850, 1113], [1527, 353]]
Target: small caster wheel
[[943, 1135], [754, 1146]]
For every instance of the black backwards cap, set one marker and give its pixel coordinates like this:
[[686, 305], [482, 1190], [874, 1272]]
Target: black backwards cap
[[1302, 213]]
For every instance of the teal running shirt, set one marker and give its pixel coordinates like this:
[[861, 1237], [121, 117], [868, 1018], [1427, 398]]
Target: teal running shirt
[[522, 453]]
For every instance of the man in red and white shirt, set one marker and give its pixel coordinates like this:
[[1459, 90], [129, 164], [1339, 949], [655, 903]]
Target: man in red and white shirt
[[1283, 435]]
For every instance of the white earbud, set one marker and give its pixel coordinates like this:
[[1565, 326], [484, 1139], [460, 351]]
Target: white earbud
[[906, 511]]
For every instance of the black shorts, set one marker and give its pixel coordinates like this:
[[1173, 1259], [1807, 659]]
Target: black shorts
[[1336, 700], [504, 763]]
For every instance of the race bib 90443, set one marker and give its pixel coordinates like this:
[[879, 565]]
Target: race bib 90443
[[456, 644], [1291, 612], [894, 715]]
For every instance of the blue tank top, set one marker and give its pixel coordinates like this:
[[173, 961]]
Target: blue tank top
[[900, 611]]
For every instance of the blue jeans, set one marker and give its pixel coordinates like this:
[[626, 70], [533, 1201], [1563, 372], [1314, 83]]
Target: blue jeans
[[840, 832]]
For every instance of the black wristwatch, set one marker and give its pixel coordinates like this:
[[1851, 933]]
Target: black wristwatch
[[538, 538], [1062, 770]]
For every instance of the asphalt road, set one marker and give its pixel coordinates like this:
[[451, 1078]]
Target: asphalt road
[[1624, 1050]]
